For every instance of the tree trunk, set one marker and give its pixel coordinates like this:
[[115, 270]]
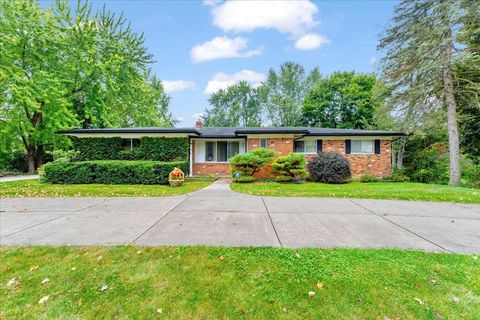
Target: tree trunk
[[31, 158], [453, 136], [39, 156]]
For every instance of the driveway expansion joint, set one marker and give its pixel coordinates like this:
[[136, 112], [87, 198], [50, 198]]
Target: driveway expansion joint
[[271, 221], [161, 218], [56, 218], [402, 227]]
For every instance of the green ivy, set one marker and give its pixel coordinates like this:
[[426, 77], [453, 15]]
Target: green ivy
[[110, 172], [154, 149]]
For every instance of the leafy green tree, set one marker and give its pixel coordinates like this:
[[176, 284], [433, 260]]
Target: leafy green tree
[[62, 67], [283, 93], [236, 106], [342, 100], [418, 65]]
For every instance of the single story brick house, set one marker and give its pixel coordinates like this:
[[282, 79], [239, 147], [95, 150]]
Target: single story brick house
[[369, 151]]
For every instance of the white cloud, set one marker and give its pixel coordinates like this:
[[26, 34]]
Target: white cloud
[[197, 115], [222, 47], [311, 41], [177, 85], [180, 119], [210, 3], [222, 81], [292, 17], [373, 60]]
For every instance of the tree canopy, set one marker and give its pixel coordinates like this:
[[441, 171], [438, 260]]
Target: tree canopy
[[282, 93], [62, 67], [341, 100], [238, 105]]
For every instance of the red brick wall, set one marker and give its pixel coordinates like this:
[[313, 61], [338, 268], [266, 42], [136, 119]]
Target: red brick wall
[[375, 164], [378, 165]]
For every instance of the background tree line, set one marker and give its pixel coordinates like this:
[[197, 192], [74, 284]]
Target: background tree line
[[291, 97], [63, 67]]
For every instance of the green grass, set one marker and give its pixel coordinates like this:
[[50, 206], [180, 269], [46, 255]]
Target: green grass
[[237, 283], [33, 188], [373, 190]]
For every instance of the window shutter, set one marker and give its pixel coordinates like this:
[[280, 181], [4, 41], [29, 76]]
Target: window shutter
[[377, 146], [319, 146], [348, 146]]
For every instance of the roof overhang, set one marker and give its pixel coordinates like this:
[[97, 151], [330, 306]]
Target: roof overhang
[[131, 132]]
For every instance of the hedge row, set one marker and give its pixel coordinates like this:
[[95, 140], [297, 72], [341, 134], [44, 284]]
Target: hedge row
[[110, 172], [154, 149]]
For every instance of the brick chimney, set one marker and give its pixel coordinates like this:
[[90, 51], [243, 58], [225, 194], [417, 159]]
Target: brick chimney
[[199, 124]]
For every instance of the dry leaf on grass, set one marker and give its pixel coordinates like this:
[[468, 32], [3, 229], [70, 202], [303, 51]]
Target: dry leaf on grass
[[311, 293], [13, 282], [46, 280], [420, 301], [43, 299], [319, 285], [104, 288]]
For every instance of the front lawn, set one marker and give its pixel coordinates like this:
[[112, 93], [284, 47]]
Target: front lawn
[[373, 190], [33, 188], [236, 283]]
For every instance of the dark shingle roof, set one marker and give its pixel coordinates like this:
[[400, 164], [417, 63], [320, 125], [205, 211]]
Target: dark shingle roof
[[231, 132]]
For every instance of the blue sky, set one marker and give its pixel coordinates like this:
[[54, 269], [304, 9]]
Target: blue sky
[[202, 46]]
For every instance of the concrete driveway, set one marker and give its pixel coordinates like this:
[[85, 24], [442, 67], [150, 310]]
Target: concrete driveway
[[218, 216]]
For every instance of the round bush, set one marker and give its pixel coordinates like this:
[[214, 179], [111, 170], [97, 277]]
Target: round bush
[[329, 167]]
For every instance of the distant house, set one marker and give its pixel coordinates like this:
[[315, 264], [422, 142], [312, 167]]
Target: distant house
[[369, 151]]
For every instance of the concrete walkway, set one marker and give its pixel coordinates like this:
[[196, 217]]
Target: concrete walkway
[[20, 177], [218, 216]]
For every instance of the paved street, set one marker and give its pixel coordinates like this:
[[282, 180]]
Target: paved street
[[218, 216]]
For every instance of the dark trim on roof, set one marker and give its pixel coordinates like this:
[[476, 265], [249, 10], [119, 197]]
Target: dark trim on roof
[[226, 133], [271, 131], [353, 133], [131, 130]]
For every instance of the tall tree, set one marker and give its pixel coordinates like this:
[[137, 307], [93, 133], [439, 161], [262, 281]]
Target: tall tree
[[467, 74], [283, 93], [342, 100], [61, 68], [238, 105], [419, 61]]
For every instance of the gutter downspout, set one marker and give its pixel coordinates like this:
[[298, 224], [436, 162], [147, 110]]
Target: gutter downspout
[[190, 157]]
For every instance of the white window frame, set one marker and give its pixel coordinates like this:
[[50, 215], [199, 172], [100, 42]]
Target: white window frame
[[305, 146], [361, 151], [131, 148], [216, 150]]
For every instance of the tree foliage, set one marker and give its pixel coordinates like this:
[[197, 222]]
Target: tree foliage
[[342, 100], [282, 93], [418, 65], [236, 106], [62, 67]]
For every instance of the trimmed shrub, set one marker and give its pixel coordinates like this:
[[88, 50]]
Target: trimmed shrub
[[289, 168], [397, 176], [97, 148], [368, 178], [246, 164], [329, 167], [163, 149], [154, 149], [110, 172]]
